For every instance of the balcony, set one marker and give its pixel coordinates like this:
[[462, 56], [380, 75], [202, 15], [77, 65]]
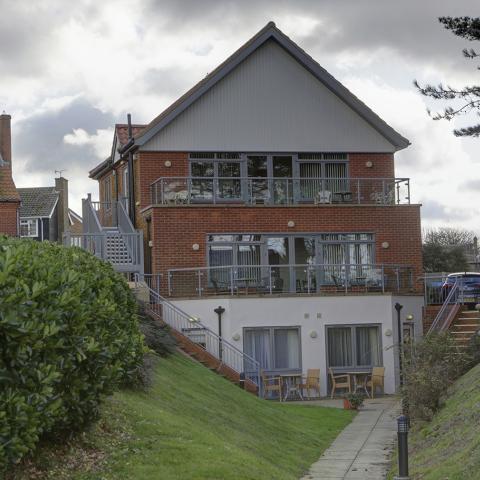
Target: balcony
[[286, 279], [280, 191]]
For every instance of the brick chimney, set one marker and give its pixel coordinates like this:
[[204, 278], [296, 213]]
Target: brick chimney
[[61, 186], [5, 138]]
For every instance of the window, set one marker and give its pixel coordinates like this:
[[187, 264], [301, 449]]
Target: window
[[29, 227], [275, 348], [354, 346]]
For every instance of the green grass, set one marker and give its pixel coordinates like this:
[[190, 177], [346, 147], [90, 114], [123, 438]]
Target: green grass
[[449, 446], [192, 424]]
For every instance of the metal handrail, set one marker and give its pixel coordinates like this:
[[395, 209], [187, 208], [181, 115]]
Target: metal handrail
[[215, 345], [443, 314]]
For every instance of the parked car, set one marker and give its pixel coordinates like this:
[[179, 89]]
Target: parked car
[[469, 287]]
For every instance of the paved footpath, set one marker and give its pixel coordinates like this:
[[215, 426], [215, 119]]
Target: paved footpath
[[363, 448]]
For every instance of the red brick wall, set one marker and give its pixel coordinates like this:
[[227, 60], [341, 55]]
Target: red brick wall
[[176, 229], [382, 165], [8, 218]]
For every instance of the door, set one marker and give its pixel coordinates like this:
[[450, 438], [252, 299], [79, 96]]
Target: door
[[282, 187]]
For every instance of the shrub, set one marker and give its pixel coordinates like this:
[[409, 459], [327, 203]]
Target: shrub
[[430, 366], [157, 336], [68, 336]]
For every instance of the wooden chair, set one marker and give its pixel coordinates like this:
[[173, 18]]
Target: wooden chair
[[312, 381], [271, 384], [339, 381], [375, 379]]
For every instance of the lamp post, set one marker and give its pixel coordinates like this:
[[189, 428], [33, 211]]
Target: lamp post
[[219, 311], [398, 308], [402, 434]]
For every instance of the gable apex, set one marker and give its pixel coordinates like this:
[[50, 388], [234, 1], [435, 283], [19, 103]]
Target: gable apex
[[271, 32]]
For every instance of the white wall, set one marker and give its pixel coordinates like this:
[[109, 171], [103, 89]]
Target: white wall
[[311, 314], [269, 103]]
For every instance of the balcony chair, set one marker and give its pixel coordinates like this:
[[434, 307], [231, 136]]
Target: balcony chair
[[312, 381], [375, 379], [323, 196], [271, 384], [339, 381]]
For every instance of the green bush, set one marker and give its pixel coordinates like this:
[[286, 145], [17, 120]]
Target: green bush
[[430, 366], [68, 336], [156, 336]]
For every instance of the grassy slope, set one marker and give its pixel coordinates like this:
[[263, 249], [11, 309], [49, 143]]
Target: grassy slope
[[449, 446], [194, 424]]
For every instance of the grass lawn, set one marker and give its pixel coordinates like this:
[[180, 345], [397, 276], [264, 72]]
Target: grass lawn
[[449, 446], [192, 424]]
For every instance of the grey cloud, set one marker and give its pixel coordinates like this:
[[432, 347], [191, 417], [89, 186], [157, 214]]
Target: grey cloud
[[165, 81], [472, 185], [40, 138], [434, 210]]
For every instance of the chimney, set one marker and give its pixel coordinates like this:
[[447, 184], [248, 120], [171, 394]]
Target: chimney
[[61, 186], [5, 138]]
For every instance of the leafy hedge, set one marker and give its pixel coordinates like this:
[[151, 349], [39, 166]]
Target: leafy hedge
[[68, 335]]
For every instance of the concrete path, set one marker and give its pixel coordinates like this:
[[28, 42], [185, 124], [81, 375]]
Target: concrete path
[[363, 448]]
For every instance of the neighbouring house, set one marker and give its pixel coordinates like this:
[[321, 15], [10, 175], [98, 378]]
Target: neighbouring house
[[9, 198], [269, 189], [44, 212]]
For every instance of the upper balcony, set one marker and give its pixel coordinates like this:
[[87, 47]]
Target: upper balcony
[[280, 191]]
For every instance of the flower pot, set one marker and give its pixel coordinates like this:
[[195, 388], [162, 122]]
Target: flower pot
[[346, 404]]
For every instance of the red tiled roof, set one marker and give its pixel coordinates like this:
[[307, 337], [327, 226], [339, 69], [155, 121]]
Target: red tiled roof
[[122, 132], [8, 191]]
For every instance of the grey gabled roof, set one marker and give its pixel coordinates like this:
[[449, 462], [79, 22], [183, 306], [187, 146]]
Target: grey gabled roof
[[37, 201], [271, 32]]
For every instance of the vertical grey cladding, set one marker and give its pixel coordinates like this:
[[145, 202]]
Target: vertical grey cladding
[[270, 102]]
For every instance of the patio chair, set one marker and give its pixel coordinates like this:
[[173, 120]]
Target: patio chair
[[312, 381], [323, 196], [339, 381], [375, 379], [271, 384]]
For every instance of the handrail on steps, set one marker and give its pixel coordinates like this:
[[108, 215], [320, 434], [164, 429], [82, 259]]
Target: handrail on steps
[[452, 299], [193, 328]]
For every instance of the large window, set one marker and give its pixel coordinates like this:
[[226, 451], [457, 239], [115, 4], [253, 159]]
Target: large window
[[354, 346], [29, 227], [275, 348]]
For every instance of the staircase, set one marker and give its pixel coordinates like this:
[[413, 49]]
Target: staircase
[[199, 342], [464, 326]]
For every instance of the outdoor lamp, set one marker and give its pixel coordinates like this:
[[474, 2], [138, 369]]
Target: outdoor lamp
[[409, 317], [402, 433]]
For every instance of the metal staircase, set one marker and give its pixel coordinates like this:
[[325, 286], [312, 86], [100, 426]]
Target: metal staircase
[[109, 234], [456, 318], [199, 341]]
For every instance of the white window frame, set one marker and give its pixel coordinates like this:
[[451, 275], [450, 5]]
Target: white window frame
[[29, 222]]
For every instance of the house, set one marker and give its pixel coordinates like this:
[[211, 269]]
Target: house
[[269, 190], [44, 212], [9, 198]]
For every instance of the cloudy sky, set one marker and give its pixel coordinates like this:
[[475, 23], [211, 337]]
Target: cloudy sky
[[70, 70]]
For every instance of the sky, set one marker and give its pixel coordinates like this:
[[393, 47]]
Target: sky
[[70, 70]]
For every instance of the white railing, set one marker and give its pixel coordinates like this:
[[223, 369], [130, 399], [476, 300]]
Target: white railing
[[288, 279], [191, 327], [280, 190]]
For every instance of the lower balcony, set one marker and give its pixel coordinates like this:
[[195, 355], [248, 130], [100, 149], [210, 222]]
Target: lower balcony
[[286, 279]]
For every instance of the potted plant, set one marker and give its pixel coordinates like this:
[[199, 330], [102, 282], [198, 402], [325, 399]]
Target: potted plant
[[352, 401]]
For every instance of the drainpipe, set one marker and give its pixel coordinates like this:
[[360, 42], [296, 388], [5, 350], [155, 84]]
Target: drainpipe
[[131, 175], [398, 308]]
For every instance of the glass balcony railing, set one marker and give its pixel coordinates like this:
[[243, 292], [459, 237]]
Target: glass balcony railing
[[280, 191], [287, 279]]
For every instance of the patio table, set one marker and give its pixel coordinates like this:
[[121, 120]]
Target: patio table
[[290, 383], [355, 376]]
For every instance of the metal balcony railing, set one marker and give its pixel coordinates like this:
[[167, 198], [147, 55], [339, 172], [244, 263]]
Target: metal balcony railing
[[287, 279], [280, 191]]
